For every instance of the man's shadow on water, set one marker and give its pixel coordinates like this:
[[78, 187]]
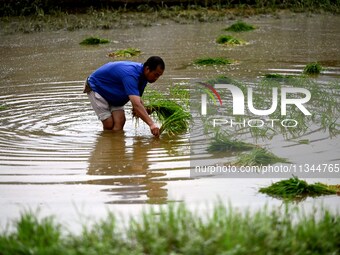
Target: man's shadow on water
[[125, 160]]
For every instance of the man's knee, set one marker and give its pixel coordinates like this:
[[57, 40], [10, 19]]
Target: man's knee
[[108, 124], [119, 122], [118, 118]]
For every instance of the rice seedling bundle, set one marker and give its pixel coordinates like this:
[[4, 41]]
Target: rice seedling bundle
[[93, 41], [174, 118], [296, 188], [126, 53], [240, 26]]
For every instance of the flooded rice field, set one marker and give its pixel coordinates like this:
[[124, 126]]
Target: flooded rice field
[[55, 156]]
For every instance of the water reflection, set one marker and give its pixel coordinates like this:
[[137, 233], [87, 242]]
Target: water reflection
[[125, 160]]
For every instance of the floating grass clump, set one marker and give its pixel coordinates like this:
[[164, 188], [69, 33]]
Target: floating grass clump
[[175, 229], [259, 157], [2, 107], [312, 68], [93, 41], [212, 61], [240, 26], [229, 40], [223, 142], [294, 188], [126, 53], [174, 119]]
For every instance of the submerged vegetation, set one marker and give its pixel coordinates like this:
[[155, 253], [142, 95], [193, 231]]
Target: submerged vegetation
[[93, 41], [312, 68], [240, 26], [212, 61], [229, 40], [126, 53], [177, 230], [294, 188]]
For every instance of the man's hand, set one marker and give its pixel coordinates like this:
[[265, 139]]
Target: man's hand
[[154, 130]]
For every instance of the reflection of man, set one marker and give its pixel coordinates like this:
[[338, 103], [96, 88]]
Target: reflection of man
[[111, 86], [125, 160]]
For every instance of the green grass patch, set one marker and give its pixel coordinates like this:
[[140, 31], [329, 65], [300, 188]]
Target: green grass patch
[[294, 188], [240, 26], [312, 68], [174, 229], [224, 142], [257, 157], [3, 107], [229, 40], [93, 41], [126, 53]]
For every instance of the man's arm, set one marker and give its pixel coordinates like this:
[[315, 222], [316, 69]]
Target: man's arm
[[141, 112]]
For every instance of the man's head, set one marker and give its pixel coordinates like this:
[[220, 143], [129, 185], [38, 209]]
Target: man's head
[[153, 68]]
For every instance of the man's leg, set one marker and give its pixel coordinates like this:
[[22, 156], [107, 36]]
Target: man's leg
[[118, 117], [115, 122]]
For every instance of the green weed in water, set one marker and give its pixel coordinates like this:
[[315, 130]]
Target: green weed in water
[[240, 26], [229, 40], [3, 107], [212, 61], [126, 53], [93, 41], [312, 68], [258, 157], [294, 188], [175, 229]]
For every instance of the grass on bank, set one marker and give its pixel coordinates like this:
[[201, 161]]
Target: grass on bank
[[93, 41], [294, 188], [174, 229], [240, 26], [229, 40], [212, 61], [125, 53]]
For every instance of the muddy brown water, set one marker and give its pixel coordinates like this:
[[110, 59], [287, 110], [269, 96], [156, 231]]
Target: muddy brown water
[[54, 155]]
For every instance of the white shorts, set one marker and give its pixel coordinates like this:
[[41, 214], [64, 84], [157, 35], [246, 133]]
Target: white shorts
[[101, 107]]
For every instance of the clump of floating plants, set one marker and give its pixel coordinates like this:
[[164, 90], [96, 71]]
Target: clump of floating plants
[[294, 188], [257, 157], [93, 41], [172, 113], [312, 68], [2, 107], [126, 53], [229, 40], [224, 142], [240, 26], [212, 61]]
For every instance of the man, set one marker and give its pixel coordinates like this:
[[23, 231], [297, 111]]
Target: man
[[111, 86]]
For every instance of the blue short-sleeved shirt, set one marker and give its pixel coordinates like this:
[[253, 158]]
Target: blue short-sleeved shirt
[[116, 81]]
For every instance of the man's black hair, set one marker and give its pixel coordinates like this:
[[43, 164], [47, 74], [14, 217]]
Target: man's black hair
[[153, 62]]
